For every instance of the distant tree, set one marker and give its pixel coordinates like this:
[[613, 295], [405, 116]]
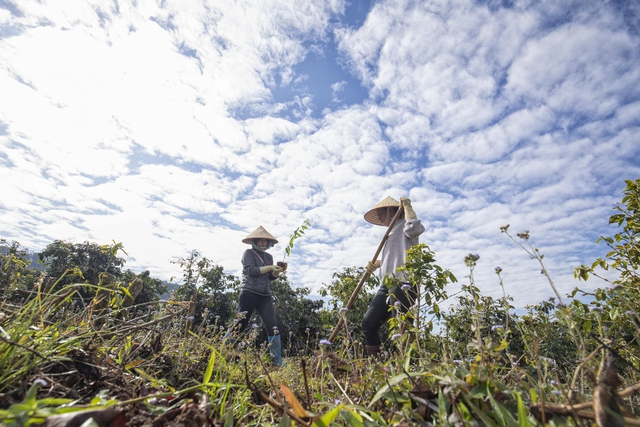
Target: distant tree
[[16, 278], [13, 262], [89, 258], [215, 292]]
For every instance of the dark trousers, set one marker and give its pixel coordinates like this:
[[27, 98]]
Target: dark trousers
[[248, 302], [379, 311]]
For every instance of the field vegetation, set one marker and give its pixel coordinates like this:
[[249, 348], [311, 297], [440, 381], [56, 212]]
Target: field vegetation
[[85, 342]]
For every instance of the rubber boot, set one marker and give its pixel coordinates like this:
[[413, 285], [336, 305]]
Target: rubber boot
[[275, 348], [373, 350]]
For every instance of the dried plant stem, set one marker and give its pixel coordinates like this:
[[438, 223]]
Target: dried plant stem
[[303, 364]]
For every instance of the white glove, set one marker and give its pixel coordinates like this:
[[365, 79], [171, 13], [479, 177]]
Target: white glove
[[409, 213], [269, 268]]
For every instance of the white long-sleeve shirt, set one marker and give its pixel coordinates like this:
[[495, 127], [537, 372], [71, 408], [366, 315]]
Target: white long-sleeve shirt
[[403, 235]]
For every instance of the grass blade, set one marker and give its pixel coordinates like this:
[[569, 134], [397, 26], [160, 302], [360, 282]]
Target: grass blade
[[209, 371]]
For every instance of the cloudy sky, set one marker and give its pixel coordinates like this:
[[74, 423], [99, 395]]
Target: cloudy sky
[[174, 125]]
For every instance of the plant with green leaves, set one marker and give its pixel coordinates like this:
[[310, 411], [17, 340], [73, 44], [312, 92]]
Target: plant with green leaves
[[428, 278], [299, 232], [43, 330], [624, 254], [33, 411], [213, 292], [16, 277]]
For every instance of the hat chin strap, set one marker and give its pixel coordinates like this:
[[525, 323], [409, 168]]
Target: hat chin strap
[[256, 247]]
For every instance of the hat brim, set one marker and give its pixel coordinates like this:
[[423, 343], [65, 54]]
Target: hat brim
[[249, 240], [373, 216], [259, 233]]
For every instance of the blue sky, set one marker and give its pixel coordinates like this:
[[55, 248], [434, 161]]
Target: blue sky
[[180, 125]]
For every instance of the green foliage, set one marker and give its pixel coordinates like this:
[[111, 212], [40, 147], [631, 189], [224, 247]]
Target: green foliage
[[490, 367], [13, 263], [429, 278], [214, 292], [88, 258], [299, 232], [624, 255], [297, 316], [544, 324], [460, 327], [34, 334], [16, 278]]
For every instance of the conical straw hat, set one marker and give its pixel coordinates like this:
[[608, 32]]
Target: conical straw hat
[[373, 216], [259, 233]]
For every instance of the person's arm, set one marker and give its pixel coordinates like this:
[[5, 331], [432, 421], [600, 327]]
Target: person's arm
[[413, 226]]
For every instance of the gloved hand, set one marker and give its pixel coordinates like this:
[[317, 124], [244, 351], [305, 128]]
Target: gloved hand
[[282, 265], [372, 266], [409, 213], [271, 268]]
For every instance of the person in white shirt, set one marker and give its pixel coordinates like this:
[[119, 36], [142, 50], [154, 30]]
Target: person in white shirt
[[404, 234]]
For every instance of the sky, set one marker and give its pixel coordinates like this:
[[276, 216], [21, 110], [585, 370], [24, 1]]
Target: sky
[[180, 125]]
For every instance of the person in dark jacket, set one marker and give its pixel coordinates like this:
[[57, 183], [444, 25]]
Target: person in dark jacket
[[258, 271]]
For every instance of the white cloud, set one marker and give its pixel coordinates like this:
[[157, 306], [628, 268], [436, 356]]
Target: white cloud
[[157, 125]]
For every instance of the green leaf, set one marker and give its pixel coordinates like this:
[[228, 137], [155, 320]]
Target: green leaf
[[392, 396], [480, 413], [407, 361], [353, 418], [478, 391], [30, 398], [614, 313], [228, 419], [209, 371], [327, 419], [54, 401], [442, 406], [523, 421], [501, 412], [391, 382], [126, 291], [285, 422]]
